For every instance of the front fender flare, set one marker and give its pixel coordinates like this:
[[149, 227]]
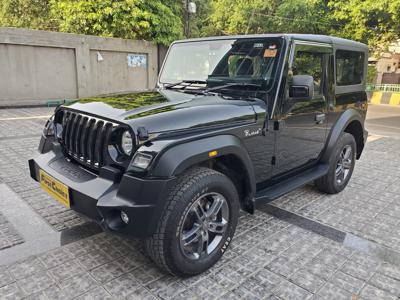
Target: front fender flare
[[178, 158]]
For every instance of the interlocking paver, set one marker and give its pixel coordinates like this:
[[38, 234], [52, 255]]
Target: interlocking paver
[[9, 236], [26, 267], [386, 283], [307, 280], [36, 283], [67, 270], [11, 291], [369, 206], [19, 141], [98, 293], [347, 282], [357, 270], [268, 258], [370, 292], [331, 291]]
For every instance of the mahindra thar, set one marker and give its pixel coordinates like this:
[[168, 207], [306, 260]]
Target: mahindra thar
[[235, 122]]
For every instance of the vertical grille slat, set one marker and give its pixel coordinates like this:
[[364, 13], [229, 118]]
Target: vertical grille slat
[[107, 136], [88, 142], [64, 126], [92, 142], [98, 146], [74, 129], [68, 138], [77, 140], [85, 138]]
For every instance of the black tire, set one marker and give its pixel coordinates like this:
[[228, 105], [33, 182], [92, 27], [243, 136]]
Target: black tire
[[164, 246], [330, 183]]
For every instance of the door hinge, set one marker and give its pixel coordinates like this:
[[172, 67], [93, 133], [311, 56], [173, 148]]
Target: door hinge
[[273, 160]]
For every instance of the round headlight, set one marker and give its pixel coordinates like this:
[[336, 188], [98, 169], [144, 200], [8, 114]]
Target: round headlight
[[127, 142]]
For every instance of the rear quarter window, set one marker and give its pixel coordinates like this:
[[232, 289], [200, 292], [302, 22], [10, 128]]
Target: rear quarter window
[[349, 67]]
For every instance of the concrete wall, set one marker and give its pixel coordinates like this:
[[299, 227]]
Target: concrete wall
[[37, 66]]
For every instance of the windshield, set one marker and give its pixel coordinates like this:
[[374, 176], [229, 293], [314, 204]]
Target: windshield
[[219, 62]]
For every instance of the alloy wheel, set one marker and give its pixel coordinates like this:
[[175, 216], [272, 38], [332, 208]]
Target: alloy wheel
[[344, 164], [204, 226]]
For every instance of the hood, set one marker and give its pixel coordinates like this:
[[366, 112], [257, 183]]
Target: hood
[[167, 110]]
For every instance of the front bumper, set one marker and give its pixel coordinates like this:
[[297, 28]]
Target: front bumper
[[102, 197]]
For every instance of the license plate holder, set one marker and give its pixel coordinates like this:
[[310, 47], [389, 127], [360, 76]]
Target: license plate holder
[[54, 188]]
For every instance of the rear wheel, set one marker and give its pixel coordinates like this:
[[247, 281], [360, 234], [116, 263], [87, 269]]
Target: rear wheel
[[197, 224], [341, 166]]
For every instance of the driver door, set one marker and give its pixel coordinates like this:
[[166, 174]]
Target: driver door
[[303, 127]]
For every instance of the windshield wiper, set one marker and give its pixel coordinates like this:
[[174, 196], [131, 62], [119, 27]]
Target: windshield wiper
[[185, 83], [233, 84]]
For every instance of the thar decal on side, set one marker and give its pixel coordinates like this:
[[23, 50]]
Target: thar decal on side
[[234, 122]]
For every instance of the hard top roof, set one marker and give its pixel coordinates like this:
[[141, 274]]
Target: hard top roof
[[305, 37]]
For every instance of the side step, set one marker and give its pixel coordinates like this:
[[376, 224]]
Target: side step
[[290, 184]]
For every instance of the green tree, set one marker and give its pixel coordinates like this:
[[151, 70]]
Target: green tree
[[34, 14], [242, 16], [259, 16], [156, 20], [372, 73], [302, 16], [200, 22], [375, 22]]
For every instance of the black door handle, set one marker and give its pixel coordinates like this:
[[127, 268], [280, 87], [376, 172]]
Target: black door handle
[[320, 118]]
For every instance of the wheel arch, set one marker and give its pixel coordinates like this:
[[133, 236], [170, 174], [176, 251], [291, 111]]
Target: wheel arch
[[232, 159], [351, 122], [355, 129]]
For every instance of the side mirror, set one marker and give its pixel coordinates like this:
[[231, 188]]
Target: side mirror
[[302, 87]]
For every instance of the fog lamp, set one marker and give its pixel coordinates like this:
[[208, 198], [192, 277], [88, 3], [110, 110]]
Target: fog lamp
[[124, 217]]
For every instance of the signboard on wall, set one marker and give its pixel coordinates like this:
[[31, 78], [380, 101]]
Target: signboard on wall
[[137, 61]]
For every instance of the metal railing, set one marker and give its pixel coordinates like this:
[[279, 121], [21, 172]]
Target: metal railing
[[383, 87]]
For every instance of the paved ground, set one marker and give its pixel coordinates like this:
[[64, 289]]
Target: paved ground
[[20, 131], [9, 236], [384, 120], [279, 256]]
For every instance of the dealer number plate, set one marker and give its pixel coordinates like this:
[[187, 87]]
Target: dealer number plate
[[54, 188]]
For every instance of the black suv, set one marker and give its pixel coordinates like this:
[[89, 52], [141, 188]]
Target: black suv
[[235, 122]]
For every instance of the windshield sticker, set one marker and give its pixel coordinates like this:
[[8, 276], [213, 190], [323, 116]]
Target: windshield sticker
[[258, 45], [270, 52]]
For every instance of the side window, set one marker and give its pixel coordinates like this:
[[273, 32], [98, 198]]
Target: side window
[[310, 63], [349, 67]]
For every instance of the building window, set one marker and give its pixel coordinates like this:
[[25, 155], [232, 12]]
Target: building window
[[349, 67]]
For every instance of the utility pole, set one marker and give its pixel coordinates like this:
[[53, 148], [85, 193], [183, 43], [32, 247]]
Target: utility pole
[[186, 18], [189, 8]]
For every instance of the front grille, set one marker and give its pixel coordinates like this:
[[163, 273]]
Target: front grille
[[85, 138]]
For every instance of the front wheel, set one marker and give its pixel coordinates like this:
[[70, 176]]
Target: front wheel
[[341, 166], [197, 224]]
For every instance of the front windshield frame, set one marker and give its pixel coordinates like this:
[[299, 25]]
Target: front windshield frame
[[266, 84]]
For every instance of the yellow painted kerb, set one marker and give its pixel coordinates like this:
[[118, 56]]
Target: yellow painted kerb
[[376, 98], [395, 99]]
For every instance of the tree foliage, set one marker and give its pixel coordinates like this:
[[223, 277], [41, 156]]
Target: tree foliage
[[376, 22], [155, 20], [34, 14]]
